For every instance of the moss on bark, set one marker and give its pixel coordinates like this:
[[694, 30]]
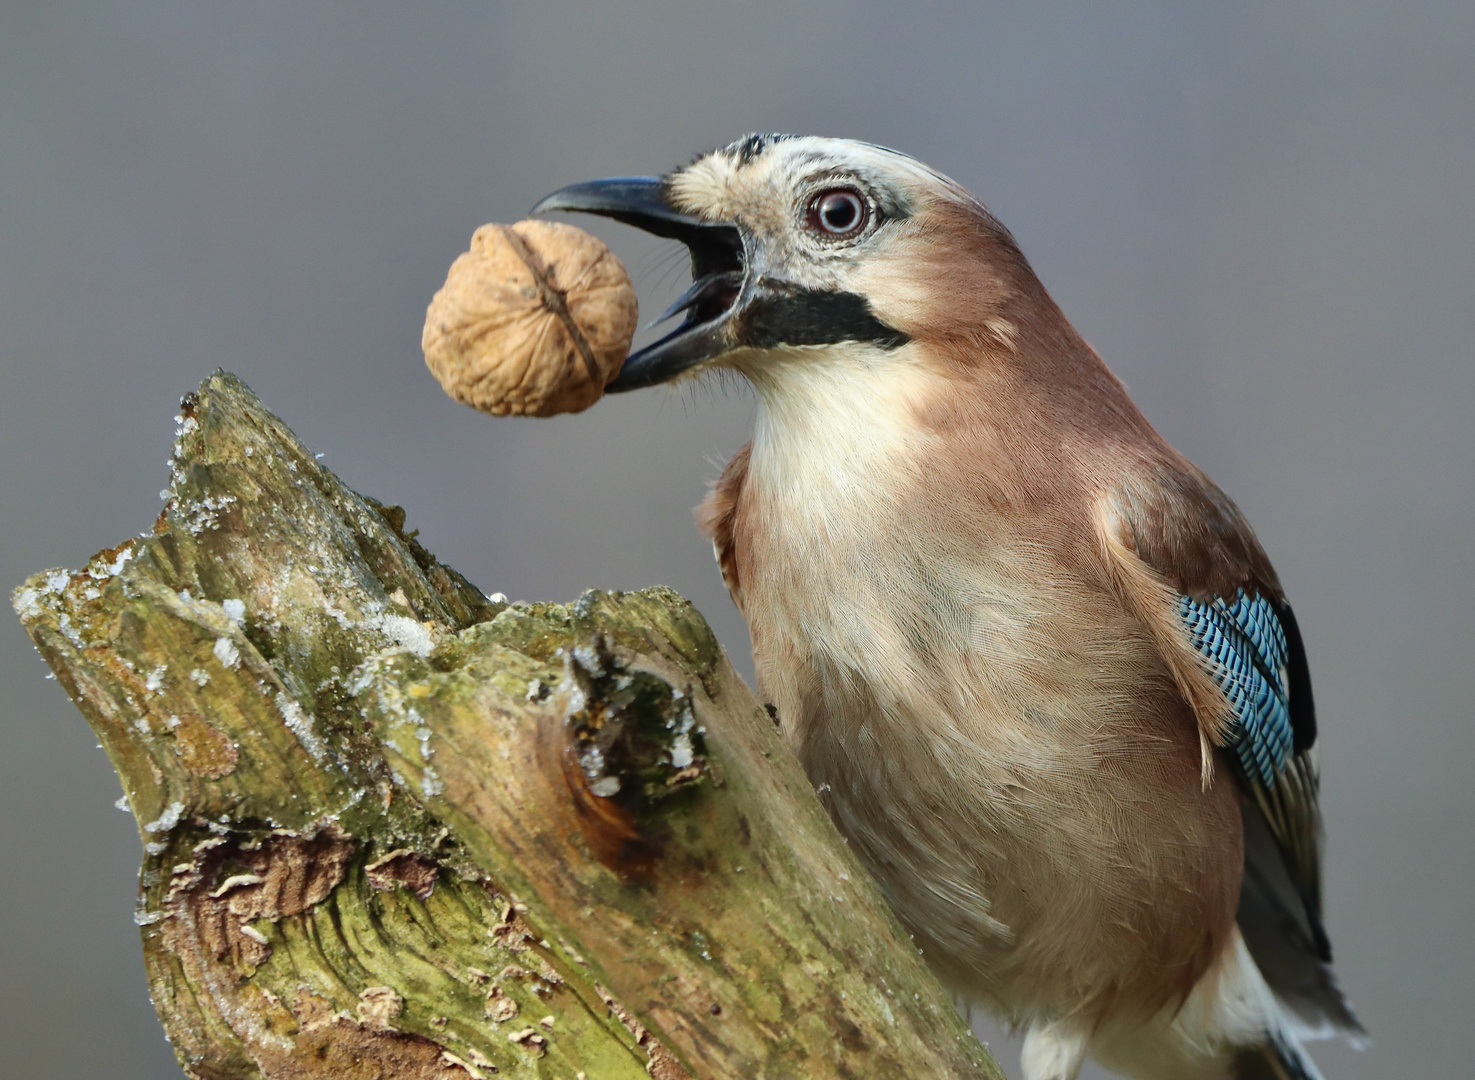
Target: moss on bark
[[394, 828]]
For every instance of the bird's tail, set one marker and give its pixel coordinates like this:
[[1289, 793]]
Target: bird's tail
[[1279, 1057], [1231, 1024]]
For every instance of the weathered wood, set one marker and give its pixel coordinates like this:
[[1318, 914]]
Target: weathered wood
[[393, 828]]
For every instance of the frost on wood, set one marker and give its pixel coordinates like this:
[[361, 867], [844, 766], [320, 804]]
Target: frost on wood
[[393, 828]]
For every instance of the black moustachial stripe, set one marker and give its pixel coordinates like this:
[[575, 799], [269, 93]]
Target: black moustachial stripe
[[795, 316]]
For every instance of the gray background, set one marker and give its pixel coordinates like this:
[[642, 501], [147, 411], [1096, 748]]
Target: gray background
[[1260, 213]]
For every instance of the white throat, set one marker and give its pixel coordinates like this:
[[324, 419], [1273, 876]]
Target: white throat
[[834, 425]]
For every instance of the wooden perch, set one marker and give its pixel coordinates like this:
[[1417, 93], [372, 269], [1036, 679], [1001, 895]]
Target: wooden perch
[[393, 828]]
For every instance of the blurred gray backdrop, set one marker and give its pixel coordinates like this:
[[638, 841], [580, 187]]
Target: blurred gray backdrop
[[1261, 213]]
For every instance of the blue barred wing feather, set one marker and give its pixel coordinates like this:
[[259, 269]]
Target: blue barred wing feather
[[1243, 646], [1250, 645]]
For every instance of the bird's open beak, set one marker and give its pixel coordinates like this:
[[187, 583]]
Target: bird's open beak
[[718, 282]]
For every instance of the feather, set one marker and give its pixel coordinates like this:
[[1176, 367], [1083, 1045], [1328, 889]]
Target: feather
[[717, 516], [1231, 622]]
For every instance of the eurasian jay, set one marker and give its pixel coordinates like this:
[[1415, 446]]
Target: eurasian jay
[[1035, 663]]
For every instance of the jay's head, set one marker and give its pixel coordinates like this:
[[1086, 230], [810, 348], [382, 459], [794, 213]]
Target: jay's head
[[800, 245]]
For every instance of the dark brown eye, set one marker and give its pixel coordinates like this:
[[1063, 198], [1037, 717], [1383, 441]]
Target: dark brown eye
[[838, 212]]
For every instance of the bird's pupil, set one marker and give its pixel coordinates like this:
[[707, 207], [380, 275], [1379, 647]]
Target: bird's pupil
[[838, 212]]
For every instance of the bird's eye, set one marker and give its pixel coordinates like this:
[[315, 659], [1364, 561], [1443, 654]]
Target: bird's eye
[[837, 213]]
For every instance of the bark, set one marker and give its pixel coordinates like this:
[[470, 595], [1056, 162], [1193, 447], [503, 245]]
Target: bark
[[393, 828]]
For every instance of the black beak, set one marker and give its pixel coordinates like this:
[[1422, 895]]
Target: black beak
[[717, 270]]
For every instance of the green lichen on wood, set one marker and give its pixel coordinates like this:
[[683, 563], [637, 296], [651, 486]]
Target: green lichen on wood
[[394, 828]]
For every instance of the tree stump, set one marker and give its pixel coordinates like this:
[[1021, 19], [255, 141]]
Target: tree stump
[[393, 828]]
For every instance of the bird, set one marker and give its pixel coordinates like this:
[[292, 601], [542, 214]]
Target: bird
[[1036, 664]]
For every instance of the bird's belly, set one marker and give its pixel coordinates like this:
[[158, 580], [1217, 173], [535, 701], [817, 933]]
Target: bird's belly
[[1026, 790]]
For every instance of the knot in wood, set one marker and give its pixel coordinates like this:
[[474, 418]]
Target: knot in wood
[[634, 736]]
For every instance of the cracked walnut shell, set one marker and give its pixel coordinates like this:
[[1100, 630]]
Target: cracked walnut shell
[[534, 320]]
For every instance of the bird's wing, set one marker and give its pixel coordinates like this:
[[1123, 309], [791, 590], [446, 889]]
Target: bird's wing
[[1186, 561], [717, 519]]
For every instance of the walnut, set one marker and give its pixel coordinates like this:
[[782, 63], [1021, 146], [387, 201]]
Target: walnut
[[534, 320]]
